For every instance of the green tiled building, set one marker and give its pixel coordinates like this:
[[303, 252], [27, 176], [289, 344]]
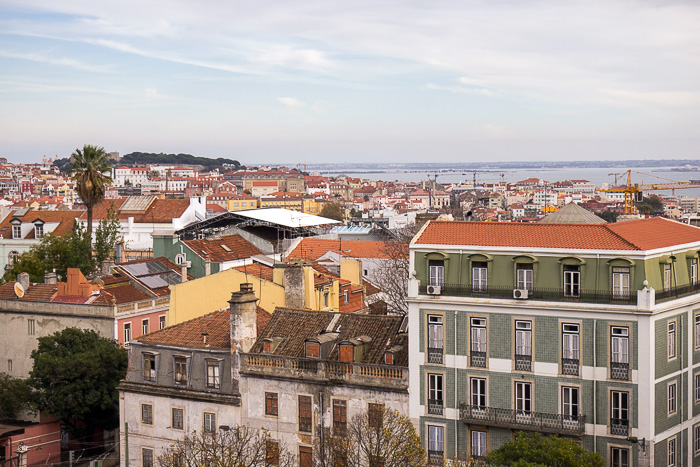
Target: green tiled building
[[590, 331]]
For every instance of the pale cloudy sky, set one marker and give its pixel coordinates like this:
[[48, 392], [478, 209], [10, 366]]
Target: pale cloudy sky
[[381, 80]]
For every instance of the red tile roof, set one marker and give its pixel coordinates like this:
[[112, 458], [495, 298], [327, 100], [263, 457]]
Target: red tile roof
[[160, 211], [64, 217], [240, 248], [642, 234], [258, 270], [311, 249], [35, 292]]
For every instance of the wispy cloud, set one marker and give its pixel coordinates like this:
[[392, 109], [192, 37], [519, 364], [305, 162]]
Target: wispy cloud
[[291, 103], [59, 61]]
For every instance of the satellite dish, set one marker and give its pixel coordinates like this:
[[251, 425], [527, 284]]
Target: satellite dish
[[19, 290]]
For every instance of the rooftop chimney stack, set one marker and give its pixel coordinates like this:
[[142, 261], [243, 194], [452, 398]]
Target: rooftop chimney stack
[[23, 279], [183, 272], [207, 265], [244, 329], [50, 278]]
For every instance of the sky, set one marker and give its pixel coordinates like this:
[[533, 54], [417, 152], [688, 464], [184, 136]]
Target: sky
[[302, 81]]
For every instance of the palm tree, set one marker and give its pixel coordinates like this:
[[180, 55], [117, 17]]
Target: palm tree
[[89, 166]]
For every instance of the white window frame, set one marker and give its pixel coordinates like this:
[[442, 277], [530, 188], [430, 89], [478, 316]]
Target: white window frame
[[697, 387], [571, 341], [696, 440], [671, 452], [16, 231], [213, 375], [436, 438], [570, 402], [619, 457], [525, 276], [38, 230], [572, 281], [180, 369], [619, 344], [671, 339], [161, 322], [620, 405], [477, 388], [435, 332], [479, 276], [672, 393], [621, 282], [478, 334], [209, 422], [478, 443], [149, 357], [523, 398], [436, 272], [145, 325], [693, 271], [436, 387], [668, 278], [127, 333], [523, 337]]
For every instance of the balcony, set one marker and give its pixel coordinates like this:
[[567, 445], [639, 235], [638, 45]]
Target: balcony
[[620, 371], [436, 457], [516, 419], [619, 426], [570, 366], [435, 407], [435, 355], [523, 362], [477, 359], [544, 294], [676, 292]]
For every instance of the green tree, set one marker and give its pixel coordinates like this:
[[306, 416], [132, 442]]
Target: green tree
[[107, 235], [332, 211], [89, 165], [650, 204], [536, 450], [13, 396], [75, 377], [54, 253]]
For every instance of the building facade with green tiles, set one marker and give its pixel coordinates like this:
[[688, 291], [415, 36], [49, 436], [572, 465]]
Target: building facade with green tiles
[[579, 330]]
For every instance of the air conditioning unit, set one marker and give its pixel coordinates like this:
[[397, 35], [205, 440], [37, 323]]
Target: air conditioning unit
[[434, 290], [520, 293]]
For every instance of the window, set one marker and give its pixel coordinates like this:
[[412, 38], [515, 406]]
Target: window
[[478, 390], [388, 358], [694, 271], [144, 326], [569, 403], [305, 416], [435, 339], [696, 439], [149, 367], [667, 277], [619, 352], [570, 349], [177, 418], [347, 353], [271, 403], [436, 269], [313, 350], [572, 281], [127, 333], [9, 365], [161, 322], [619, 457], [523, 345], [523, 398], [272, 452], [346, 297], [436, 444], [180, 370], [619, 412], [435, 393], [697, 331], [671, 339], [16, 231], [478, 342], [340, 416], [31, 327], [478, 443], [306, 458], [524, 277], [147, 414], [38, 230], [621, 283], [479, 277], [209, 422], [697, 388], [375, 414], [213, 374], [672, 398], [325, 299], [671, 452], [147, 457], [12, 257]]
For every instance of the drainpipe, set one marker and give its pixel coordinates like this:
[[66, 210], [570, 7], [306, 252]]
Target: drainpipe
[[595, 387], [456, 379]]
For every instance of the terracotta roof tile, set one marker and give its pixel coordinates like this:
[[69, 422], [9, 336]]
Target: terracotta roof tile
[[258, 270], [35, 293], [656, 232], [311, 249], [64, 217], [238, 246], [160, 211]]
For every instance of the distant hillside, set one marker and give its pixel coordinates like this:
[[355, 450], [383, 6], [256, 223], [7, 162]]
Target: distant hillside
[[144, 158]]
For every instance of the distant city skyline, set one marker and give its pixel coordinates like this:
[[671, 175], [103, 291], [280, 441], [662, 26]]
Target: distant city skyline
[[382, 81]]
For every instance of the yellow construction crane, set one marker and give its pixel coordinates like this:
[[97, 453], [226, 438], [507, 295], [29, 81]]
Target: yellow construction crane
[[633, 192]]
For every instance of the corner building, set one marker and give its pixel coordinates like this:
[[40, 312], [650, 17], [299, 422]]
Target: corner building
[[585, 331]]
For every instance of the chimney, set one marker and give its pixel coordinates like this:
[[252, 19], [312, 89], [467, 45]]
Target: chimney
[[207, 265], [118, 252], [107, 266], [50, 278], [243, 321], [183, 271], [23, 279], [294, 286]]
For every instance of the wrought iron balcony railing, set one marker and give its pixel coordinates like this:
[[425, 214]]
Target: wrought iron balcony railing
[[523, 362], [677, 292], [436, 457], [570, 366], [619, 426], [619, 370], [523, 420], [435, 407], [435, 355], [477, 359], [546, 294]]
